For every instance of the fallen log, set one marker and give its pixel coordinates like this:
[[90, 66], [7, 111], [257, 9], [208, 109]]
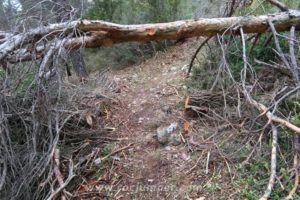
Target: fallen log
[[96, 33]]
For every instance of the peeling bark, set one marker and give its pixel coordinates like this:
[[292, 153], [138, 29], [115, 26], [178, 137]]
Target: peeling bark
[[96, 33]]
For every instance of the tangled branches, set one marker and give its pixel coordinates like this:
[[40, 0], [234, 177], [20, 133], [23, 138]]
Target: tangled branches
[[247, 82], [33, 113]]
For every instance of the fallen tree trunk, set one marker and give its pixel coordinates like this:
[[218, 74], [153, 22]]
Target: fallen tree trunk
[[190, 28], [95, 33]]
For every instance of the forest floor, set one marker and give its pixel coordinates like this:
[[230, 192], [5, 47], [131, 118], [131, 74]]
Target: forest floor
[[151, 98]]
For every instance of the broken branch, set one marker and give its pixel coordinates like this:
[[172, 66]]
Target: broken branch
[[279, 5], [273, 164]]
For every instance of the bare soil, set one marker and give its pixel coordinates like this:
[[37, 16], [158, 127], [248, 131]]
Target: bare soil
[[152, 97]]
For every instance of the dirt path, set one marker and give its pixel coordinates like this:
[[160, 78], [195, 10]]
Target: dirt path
[[152, 97]]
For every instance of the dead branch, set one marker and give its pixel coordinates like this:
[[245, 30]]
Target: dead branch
[[56, 170], [279, 5], [262, 108], [117, 151], [256, 38], [293, 68], [279, 49], [4, 172], [295, 167], [270, 186], [196, 53], [65, 183], [294, 65], [280, 69], [286, 95], [229, 10], [204, 101], [45, 61], [271, 118], [56, 167], [196, 164]]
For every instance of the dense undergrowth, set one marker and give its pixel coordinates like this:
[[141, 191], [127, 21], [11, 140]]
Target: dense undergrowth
[[252, 143], [145, 11]]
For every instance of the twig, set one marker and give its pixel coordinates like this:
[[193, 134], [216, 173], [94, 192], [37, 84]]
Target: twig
[[87, 157], [254, 42], [280, 52], [293, 66], [3, 175], [295, 168], [279, 5], [259, 106], [270, 116], [268, 40], [70, 177], [57, 172], [207, 162], [196, 164], [280, 69], [254, 148], [117, 151], [284, 97], [270, 186], [282, 122], [195, 55]]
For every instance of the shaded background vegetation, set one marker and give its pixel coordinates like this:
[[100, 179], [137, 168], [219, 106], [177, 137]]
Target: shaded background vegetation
[[138, 12]]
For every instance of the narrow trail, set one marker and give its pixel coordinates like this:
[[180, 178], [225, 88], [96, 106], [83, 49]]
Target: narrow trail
[[152, 96]]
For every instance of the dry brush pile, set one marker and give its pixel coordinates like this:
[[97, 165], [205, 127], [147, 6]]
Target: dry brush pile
[[252, 87], [45, 137]]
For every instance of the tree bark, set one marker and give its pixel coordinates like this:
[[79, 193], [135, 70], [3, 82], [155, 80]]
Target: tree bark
[[78, 63], [106, 34], [61, 9], [96, 33]]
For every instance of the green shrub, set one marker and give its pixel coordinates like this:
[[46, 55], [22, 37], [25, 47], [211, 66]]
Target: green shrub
[[262, 50]]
